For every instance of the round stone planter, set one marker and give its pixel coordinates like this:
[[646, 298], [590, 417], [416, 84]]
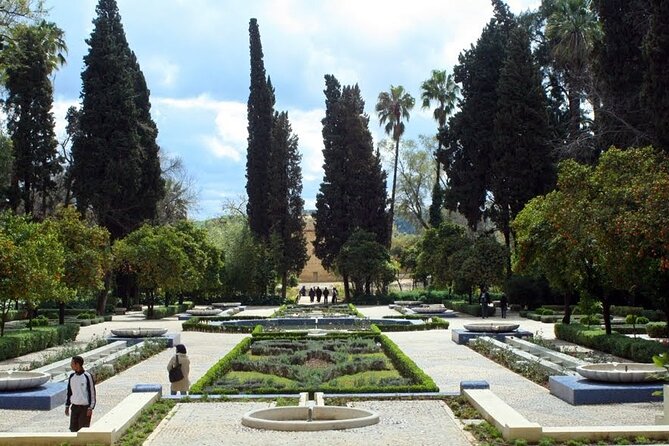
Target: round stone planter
[[304, 418], [140, 332], [622, 372], [491, 327], [10, 380], [226, 304]]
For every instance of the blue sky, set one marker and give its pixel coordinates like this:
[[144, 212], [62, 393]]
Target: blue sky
[[195, 57]]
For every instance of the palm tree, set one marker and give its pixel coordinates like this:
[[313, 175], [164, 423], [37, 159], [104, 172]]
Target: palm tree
[[391, 108], [440, 87], [572, 30]]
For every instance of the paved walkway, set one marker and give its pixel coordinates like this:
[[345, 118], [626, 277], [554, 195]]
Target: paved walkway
[[402, 422]]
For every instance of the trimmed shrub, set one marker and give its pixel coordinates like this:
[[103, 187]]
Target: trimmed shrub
[[634, 349], [657, 330], [39, 321], [19, 343]]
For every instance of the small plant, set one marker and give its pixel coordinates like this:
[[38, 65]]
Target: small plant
[[546, 442]]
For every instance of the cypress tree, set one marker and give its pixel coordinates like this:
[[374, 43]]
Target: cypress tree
[[260, 110], [469, 140], [114, 152], [619, 70], [286, 205], [30, 58], [521, 167], [655, 93], [353, 192]]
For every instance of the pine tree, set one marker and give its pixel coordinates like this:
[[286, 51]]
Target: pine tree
[[286, 206], [31, 56], [260, 110], [655, 93], [521, 167], [114, 152]]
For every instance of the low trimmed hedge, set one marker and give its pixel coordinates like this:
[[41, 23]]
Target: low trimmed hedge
[[472, 309], [18, 343], [196, 324], [634, 349], [657, 330], [436, 324]]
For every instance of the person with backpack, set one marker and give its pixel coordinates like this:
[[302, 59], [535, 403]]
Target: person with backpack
[[179, 381]]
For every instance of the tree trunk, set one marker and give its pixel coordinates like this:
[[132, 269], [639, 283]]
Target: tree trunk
[[61, 313], [567, 308], [574, 112], [284, 284], [347, 289], [391, 213], [606, 312], [103, 294]]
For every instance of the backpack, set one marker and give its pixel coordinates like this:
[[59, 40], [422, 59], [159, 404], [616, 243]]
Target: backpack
[[176, 374]]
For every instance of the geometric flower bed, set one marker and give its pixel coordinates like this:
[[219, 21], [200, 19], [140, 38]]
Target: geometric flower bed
[[340, 363]]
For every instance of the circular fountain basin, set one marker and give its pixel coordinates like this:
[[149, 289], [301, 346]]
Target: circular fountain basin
[[140, 332], [492, 327], [304, 418], [226, 304], [204, 311], [10, 380], [623, 372]]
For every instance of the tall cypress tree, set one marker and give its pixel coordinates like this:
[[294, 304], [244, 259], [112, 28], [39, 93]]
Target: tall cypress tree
[[31, 56], [114, 152], [619, 69], [469, 141], [286, 206], [260, 110], [655, 93], [353, 192], [521, 167]]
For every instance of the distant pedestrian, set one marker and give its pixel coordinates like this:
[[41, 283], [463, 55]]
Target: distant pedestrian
[[503, 305], [312, 294], [303, 291], [80, 395], [319, 293], [326, 293], [484, 300], [180, 359], [334, 295]]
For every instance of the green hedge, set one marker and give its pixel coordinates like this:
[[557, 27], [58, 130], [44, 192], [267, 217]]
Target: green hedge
[[436, 324], [657, 330], [18, 343], [221, 367], [464, 307], [195, 324], [634, 349]]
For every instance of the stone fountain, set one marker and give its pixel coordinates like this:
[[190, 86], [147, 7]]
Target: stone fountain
[[610, 382], [135, 335], [21, 390], [309, 416], [497, 330]]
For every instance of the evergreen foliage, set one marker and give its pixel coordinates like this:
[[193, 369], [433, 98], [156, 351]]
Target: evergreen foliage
[[30, 58], [352, 194], [286, 206], [619, 72], [260, 111], [470, 137], [655, 92], [521, 167], [114, 152]]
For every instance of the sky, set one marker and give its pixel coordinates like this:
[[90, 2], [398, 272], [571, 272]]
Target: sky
[[195, 57]]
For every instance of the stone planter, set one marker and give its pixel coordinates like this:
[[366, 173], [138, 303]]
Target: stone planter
[[627, 372], [10, 380]]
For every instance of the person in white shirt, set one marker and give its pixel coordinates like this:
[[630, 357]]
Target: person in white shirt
[[80, 395]]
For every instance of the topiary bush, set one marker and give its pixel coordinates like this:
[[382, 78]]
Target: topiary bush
[[657, 330]]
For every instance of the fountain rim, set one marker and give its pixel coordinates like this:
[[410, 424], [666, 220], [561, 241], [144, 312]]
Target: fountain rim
[[368, 418]]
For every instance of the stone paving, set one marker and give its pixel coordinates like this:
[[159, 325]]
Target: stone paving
[[402, 422]]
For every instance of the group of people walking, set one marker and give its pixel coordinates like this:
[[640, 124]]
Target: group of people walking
[[484, 301], [318, 294]]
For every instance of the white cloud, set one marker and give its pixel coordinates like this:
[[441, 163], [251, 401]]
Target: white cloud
[[307, 126], [59, 110], [162, 70]]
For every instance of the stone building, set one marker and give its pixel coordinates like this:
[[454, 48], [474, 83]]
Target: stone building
[[313, 271]]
